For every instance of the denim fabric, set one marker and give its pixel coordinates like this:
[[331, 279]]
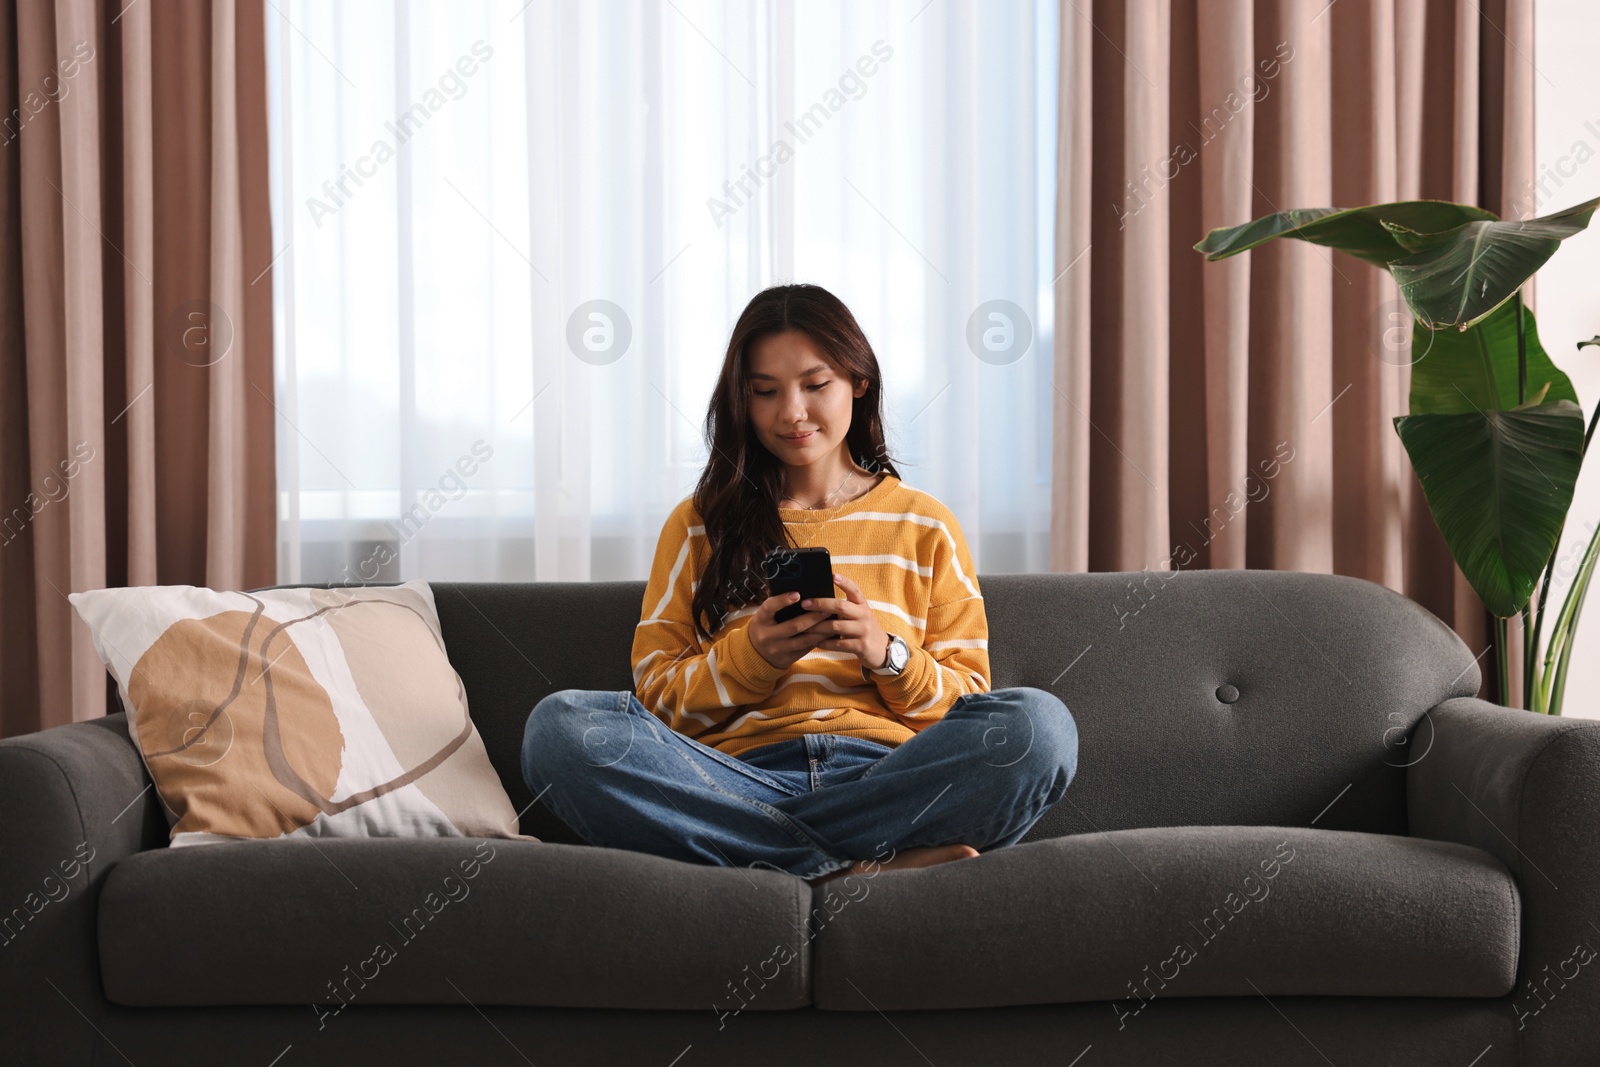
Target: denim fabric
[[621, 778]]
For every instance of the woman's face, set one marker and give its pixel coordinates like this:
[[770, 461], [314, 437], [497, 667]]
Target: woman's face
[[795, 388]]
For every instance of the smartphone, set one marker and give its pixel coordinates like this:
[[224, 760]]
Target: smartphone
[[807, 571]]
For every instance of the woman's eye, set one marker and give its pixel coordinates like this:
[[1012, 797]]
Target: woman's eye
[[770, 392]]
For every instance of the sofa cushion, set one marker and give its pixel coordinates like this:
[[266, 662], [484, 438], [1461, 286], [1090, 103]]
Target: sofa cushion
[[436, 920], [1134, 916], [1259, 696], [299, 712]]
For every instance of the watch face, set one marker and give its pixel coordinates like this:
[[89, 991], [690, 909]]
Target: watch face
[[898, 653]]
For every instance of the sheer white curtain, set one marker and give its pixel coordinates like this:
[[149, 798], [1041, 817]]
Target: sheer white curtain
[[513, 239]]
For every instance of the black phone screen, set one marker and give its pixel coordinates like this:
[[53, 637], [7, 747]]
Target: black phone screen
[[807, 571]]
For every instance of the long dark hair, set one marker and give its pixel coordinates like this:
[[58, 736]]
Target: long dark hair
[[738, 493]]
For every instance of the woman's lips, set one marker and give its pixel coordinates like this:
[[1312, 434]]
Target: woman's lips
[[802, 439]]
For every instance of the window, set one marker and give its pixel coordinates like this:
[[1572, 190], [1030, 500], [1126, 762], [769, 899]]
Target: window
[[526, 231]]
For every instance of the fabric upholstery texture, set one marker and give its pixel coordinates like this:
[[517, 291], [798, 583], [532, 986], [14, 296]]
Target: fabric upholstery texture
[[1438, 842], [1330, 676], [1130, 916], [363, 922], [1525, 789]]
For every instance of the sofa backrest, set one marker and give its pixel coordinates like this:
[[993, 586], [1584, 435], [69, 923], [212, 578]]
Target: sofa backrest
[[1208, 697]]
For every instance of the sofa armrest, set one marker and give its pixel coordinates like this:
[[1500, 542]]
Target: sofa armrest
[[76, 800], [1525, 788]]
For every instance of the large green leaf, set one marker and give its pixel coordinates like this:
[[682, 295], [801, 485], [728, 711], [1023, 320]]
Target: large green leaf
[[1457, 276], [1499, 484], [1476, 370], [1362, 231]]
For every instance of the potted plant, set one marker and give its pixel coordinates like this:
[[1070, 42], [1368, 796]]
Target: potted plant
[[1497, 455]]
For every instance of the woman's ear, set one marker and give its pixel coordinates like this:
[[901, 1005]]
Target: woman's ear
[[861, 388]]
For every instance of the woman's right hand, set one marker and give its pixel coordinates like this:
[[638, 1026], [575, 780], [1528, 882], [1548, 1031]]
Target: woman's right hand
[[783, 643]]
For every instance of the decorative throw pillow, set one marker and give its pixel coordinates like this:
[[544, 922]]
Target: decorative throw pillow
[[298, 712]]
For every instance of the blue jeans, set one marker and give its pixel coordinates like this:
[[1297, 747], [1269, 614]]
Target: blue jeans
[[621, 778]]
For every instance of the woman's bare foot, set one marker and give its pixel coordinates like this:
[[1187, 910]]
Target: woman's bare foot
[[911, 857]]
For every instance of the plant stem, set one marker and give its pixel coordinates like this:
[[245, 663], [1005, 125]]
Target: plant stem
[[1533, 673], [1561, 634], [1527, 653], [1581, 588], [1545, 692], [1522, 353], [1502, 681]]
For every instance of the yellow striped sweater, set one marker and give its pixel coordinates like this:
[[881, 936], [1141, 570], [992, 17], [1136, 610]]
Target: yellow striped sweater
[[902, 547]]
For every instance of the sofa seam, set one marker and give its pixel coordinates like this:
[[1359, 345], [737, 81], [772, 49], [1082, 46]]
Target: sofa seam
[[1516, 905]]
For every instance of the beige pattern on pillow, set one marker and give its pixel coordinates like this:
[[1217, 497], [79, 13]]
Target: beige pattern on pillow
[[298, 712]]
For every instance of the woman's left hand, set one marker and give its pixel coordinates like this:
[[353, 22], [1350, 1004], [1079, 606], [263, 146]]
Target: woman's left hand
[[857, 628]]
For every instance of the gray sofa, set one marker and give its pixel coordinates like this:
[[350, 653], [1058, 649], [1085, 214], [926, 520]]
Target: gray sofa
[[1295, 837]]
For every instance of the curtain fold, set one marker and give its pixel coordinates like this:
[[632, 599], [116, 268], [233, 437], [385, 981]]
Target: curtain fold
[[136, 421], [1238, 414]]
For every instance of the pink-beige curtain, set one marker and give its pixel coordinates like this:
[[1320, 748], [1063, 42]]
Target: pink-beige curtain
[[1238, 414], [136, 414]]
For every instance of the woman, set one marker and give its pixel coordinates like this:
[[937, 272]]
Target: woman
[[862, 732]]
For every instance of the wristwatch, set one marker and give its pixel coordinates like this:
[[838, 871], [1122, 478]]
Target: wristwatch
[[899, 654]]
